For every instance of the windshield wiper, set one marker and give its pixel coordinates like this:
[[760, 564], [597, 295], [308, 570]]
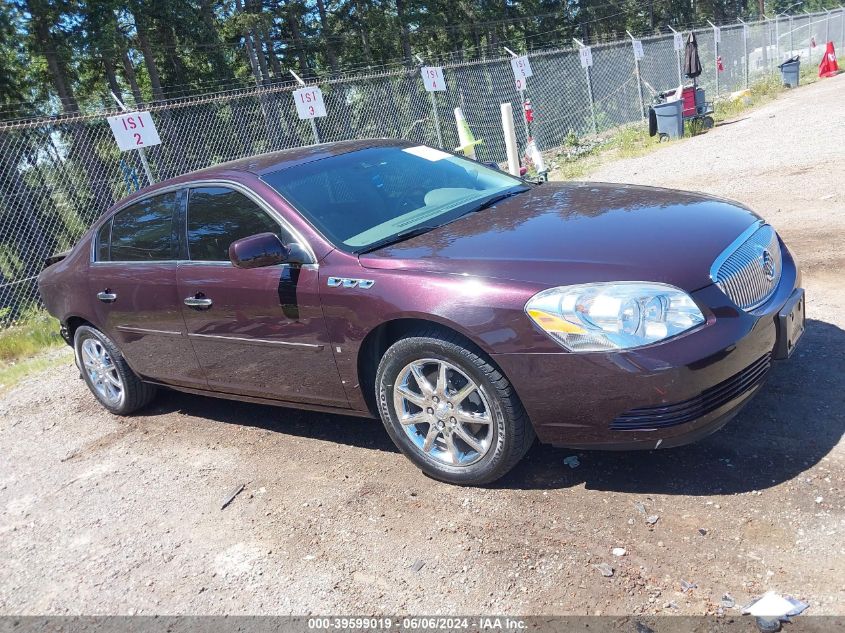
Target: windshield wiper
[[401, 236], [489, 202]]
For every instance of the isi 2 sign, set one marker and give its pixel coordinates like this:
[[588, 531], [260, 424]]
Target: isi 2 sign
[[134, 130]]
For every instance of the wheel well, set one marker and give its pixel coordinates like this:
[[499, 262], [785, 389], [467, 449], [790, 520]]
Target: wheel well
[[70, 327], [376, 343]]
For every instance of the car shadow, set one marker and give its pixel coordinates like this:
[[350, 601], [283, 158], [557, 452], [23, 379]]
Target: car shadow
[[792, 423]]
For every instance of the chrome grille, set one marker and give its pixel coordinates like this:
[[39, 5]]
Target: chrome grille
[[749, 270]]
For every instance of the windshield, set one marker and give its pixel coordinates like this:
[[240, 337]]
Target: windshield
[[365, 197]]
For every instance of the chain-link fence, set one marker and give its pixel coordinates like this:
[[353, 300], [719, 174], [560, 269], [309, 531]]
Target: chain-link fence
[[58, 174]]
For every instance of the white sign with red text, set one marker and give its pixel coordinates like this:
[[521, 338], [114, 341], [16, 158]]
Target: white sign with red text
[[521, 68], [134, 130], [433, 78], [586, 55], [309, 103], [638, 49]]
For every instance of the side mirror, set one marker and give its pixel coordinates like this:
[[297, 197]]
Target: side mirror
[[265, 249]]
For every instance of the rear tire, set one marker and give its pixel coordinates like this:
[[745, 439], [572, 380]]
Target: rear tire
[[450, 410], [108, 376]]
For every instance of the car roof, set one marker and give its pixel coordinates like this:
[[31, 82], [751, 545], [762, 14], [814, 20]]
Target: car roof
[[271, 161]]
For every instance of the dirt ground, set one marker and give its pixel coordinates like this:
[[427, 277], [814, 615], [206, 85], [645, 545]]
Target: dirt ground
[[106, 515]]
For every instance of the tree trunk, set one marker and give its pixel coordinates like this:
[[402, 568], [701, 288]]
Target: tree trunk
[[363, 32], [271, 54], [111, 76], [404, 34], [132, 79], [293, 25], [58, 72], [149, 59], [331, 53]]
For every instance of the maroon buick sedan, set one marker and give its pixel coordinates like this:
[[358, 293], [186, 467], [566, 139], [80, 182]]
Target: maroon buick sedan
[[469, 310]]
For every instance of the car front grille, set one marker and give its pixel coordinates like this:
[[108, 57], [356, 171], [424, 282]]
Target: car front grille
[[749, 270], [659, 417]]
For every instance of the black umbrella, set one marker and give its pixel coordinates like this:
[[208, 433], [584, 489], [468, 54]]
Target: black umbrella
[[692, 65]]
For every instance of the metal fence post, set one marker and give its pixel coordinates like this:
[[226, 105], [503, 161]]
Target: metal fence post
[[715, 53], [311, 121], [141, 153], [589, 90], [744, 48], [826, 26], [809, 36], [791, 45], [434, 112], [677, 55], [637, 72], [521, 101]]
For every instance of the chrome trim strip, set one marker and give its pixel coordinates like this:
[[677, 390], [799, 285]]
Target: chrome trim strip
[[739, 241], [141, 330], [254, 341]]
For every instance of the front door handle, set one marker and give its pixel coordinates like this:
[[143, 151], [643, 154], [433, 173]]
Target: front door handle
[[106, 296], [199, 302]]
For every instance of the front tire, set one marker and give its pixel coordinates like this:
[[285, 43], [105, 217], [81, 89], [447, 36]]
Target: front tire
[[450, 410], [108, 376]]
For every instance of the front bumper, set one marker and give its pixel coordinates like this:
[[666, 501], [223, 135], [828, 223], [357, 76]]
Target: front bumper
[[660, 396]]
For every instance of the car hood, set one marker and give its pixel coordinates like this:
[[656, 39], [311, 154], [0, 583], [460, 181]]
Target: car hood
[[558, 234]]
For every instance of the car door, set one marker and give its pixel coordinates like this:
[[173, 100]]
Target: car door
[[257, 332], [133, 276]]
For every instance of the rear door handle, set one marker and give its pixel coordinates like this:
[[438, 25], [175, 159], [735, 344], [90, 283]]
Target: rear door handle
[[106, 296], [199, 301]]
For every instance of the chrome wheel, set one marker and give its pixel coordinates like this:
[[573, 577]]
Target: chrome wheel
[[444, 412], [102, 373]]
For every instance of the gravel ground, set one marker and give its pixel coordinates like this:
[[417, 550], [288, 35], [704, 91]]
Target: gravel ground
[[106, 515]]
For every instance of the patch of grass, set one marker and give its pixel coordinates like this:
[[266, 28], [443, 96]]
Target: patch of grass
[[11, 373], [35, 332], [762, 91], [578, 157]]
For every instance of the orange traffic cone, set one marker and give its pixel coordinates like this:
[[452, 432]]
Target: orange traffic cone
[[828, 66]]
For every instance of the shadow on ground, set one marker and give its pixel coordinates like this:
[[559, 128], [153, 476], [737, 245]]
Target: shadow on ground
[[795, 420]]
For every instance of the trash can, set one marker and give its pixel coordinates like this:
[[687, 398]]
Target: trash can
[[789, 71], [670, 118], [700, 104]]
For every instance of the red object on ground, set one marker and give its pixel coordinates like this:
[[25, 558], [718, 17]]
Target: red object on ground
[[688, 95], [719, 63], [828, 66]]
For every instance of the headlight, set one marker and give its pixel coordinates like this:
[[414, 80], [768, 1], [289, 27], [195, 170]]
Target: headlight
[[609, 316]]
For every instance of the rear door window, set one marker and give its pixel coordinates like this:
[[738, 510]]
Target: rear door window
[[218, 216], [143, 232]]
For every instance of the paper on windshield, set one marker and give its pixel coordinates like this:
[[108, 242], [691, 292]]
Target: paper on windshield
[[429, 153]]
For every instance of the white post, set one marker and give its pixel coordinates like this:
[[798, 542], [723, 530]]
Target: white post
[[677, 56], [777, 38], [744, 49], [311, 121], [510, 138], [141, 153], [637, 72], [715, 54], [589, 91], [433, 111]]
